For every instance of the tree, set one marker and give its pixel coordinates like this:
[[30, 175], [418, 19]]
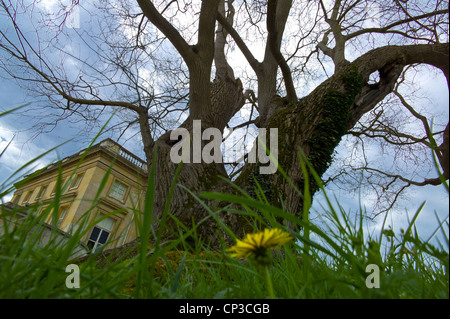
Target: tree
[[135, 44]]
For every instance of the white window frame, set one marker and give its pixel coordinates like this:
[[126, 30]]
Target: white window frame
[[103, 229], [62, 213], [27, 197], [76, 181], [52, 194], [41, 192], [112, 192]]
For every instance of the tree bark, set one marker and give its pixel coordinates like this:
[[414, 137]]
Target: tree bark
[[226, 99], [315, 125], [214, 104]]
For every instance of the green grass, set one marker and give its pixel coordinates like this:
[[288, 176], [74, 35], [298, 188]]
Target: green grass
[[322, 262]]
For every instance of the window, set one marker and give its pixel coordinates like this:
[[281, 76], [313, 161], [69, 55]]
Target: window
[[118, 191], [62, 213], [54, 188], [53, 191], [49, 214], [76, 182], [26, 198], [41, 192], [100, 234], [16, 198]]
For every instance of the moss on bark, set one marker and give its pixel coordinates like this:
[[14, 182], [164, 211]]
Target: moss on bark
[[328, 132]]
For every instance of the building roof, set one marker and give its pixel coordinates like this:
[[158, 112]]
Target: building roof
[[108, 147]]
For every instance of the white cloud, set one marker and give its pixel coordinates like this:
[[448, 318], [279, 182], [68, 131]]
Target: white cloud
[[17, 154], [49, 5]]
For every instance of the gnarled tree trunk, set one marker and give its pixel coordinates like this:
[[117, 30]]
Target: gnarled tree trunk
[[314, 124]]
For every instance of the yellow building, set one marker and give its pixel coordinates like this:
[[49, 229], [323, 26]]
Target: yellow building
[[105, 179]]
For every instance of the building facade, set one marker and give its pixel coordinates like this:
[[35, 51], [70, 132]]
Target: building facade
[[100, 189]]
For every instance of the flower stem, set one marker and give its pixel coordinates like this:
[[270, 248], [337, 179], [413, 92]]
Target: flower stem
[[269, 282]]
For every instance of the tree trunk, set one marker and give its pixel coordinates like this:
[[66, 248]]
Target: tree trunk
[[226, 98], [314, 124]]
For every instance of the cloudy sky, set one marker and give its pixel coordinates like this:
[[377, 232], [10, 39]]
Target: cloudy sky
[[26, 145], [433, 86]]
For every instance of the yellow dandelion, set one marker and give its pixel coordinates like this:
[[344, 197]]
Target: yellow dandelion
[[259, 244]]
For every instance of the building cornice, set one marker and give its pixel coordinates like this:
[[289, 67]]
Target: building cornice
[[106, 148]]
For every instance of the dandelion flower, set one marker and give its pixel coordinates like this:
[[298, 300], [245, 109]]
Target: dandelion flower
[[258, 245]]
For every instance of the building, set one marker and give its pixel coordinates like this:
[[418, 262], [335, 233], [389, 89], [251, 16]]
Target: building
[[46, 234], [100, 188]]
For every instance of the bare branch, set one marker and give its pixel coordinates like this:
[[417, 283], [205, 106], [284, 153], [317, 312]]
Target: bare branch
[[223, 69], [387, 29], [167, 29], [240, 43], [432, 181], [274, 38]]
